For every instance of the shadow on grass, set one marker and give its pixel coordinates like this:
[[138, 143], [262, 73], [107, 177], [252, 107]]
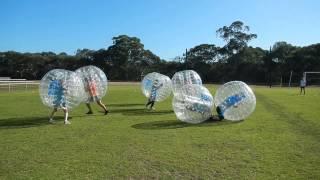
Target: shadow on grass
[[125, 105], [140, 112], [174, 124], [27, 122], [95, 114]]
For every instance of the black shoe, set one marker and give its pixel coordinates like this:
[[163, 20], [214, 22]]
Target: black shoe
[[90, 112], [106, 112]]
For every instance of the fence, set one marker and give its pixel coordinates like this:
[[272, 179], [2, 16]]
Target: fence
[[8, 84]]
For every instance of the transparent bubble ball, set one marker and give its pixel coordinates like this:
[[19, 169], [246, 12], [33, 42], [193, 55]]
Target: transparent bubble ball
[[236, 100], [61, 88], [193, 104], [182, 78], [156, 86], [95, 83]]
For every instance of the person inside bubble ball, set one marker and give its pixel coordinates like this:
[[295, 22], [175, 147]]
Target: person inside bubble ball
[[57, 92], [231, 101], [153, 94], [91, 88], [198, 107], [201, 108]]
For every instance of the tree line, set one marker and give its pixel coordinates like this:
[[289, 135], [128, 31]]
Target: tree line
[[127, 60]]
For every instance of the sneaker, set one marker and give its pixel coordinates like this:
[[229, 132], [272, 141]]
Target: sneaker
[[51, 121], [90, 112], [67, 122], [106, 112]]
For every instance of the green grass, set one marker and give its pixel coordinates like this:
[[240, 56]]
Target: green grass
[[280, 140]]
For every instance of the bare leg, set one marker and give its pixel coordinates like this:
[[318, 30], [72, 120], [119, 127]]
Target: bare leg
[[52, 114], [90, 109], [103, 106], [65, 110]]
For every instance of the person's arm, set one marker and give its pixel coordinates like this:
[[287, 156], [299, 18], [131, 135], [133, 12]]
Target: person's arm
[[159, 86]]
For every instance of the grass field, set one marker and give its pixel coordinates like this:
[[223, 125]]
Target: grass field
[[280, 140]]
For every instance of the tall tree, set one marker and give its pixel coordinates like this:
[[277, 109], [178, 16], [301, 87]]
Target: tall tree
[[201, 57], [129, 57], [282, 51], [206, 53], [236, 36]]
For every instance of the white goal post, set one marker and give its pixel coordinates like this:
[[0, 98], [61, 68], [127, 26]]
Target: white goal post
[[305, 74]]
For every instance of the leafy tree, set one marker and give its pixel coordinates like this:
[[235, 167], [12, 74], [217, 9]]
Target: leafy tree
[[126, 59], [200, 58], [270, 64], [206, 53], [281, 53], [236, 36], [129, 58], [85, 55], [282, 50]]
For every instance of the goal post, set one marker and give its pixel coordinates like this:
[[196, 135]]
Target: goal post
[[308, 77]]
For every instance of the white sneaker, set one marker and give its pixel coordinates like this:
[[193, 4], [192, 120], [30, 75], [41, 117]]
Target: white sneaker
[[51, 121], [67, 122]]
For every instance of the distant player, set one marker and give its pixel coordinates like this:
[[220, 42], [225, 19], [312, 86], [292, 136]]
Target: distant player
[[153, 94], [302, 86], [91, 88], [57, 92]]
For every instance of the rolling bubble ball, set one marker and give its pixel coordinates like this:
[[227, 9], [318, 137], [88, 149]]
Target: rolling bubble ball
[[193, 104], [235, 100], [61, 88], [156, 86], [95, 83], [182, 78]]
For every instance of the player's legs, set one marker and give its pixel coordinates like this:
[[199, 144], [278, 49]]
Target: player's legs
[[220, 113], [52, 114], [90, 109], [148, 103], [302, 89], [66, 113], [152, 104], [103, 106]]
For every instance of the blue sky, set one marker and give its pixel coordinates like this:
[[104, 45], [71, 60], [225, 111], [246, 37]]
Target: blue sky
[[166, 27]]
